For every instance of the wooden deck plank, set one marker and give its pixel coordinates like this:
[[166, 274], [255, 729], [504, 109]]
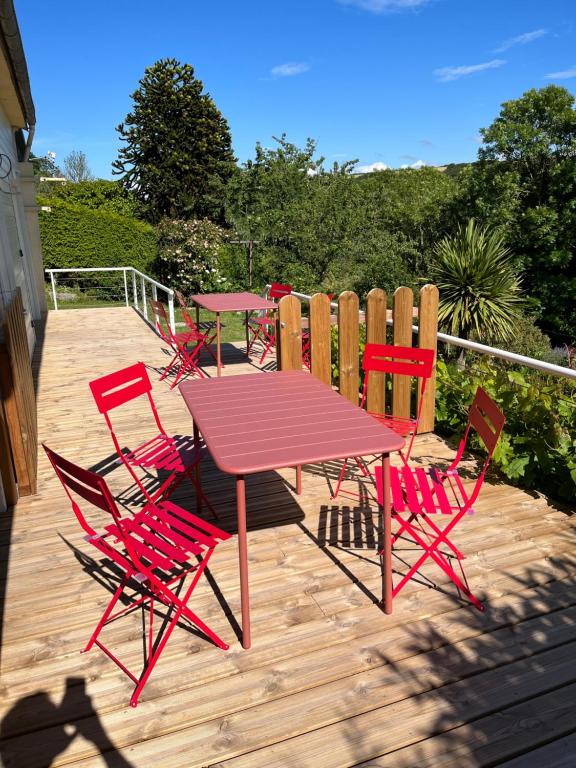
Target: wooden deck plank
[[313, 680]]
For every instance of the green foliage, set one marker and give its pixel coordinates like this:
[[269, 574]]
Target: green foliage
[[188, 255], [479, 291], [45, 166], [75, 236], [526, 183], [330, 229], [528, 340], [178, 154], [538, 446], [97, 195]]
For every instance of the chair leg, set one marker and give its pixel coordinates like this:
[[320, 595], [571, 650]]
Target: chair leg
[[340, 479], [106, 614]]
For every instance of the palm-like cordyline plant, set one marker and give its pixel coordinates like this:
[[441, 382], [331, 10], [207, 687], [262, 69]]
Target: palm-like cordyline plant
[[479, 289]]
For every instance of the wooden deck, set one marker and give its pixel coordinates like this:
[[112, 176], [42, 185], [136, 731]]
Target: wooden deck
[[330, 680]]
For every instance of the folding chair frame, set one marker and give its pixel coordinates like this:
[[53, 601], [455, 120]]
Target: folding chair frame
[[424, 493], [157, 541], [123, 386], [202, 329], [414, 362], [259, 326], [183, 361]]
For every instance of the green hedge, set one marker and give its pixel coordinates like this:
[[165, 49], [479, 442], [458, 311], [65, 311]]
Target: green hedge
[[75, 236]]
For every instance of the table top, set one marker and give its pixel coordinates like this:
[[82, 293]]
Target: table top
[[262, 421], [232, 302]]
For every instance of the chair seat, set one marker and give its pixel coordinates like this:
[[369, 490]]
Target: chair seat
[[188, 337], [166, 535], [209, 325], [261, 321], [403, 426], [424, 491], [167, 453]]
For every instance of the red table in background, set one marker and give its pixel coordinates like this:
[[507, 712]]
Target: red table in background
[[229, 302], [260, 422]]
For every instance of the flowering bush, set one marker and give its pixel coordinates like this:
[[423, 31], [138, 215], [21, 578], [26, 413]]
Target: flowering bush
[[188, 255]]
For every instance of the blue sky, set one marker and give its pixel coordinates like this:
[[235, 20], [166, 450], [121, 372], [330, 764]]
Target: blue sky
[[385, 81]]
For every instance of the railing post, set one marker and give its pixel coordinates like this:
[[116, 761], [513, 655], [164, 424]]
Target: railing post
[[143, 288], [126, 288], [348, 345], [289, 350], [428, 338], [171, 311], [53, 281], [402, 307], [376, 313], [154, 293], [320, 338], [134, 290]]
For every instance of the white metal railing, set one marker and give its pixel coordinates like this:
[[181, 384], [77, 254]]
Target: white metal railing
[[483, 349], [139, 281]]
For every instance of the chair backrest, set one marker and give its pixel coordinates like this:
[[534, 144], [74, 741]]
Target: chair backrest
[[120, 387], [278, 290], [487, 419], [403, 361], [89, 486], [180, 298], [186, 316]]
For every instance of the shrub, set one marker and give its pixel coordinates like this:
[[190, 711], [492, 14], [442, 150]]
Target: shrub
[[538, 446], [188, 255], [99, 194], [75, 236]]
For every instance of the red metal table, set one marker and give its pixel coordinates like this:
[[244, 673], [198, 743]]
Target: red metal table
[[260, 422], [229, 302]]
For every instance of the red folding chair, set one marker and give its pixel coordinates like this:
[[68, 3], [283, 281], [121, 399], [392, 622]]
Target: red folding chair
[[186, 346], [156, 549], [176, 456], [403, 361], [420, 494], [263, 328], [204, 327]]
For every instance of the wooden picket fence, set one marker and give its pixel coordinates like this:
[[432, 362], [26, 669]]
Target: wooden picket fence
[[377, 332]]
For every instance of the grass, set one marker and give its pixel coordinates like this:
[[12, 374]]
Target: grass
[[232, 328]]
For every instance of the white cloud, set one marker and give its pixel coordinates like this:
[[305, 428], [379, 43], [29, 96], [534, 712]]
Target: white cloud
[[563, 75], [383, 6], [527, 37], [378, 166], [447, 74], [416, 166], [290, 69]]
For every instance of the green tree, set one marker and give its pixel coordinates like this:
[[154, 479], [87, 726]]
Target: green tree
[[178, 154], [479, 290], [327, 228], [525, 181]]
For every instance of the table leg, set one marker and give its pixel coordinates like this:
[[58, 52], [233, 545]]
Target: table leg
[[197, 471], [299, 479], [218, 358], [197, 317], [387, 526], [243, 555], [247, 332]]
